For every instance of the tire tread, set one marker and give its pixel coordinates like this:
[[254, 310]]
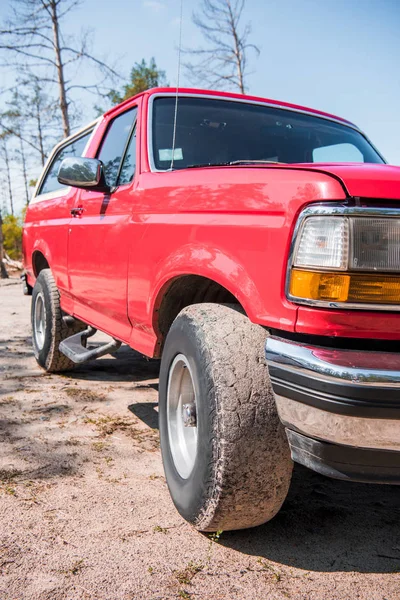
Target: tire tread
[[55, 361], [251, 467]]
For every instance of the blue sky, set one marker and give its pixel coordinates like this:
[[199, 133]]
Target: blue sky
[[340, 56]]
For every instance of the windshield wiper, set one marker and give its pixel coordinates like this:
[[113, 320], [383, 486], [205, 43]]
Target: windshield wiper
[[209, 164], [232, 163], [256, 162]]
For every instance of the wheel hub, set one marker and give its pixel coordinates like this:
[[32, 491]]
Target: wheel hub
[[189, 415], [39, 321], [182, 416]]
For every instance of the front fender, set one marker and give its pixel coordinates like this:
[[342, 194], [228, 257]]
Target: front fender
[[207, 261]]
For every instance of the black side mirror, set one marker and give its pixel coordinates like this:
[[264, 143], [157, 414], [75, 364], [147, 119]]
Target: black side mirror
[[86, 173]]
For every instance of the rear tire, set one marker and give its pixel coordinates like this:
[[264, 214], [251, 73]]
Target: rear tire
[[235, 471], [48, 327]]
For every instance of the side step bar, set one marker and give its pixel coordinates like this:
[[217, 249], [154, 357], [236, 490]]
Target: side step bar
[[75, 348]]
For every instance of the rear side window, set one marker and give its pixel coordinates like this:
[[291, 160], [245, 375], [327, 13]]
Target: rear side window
[[117, 152], [74, 148]]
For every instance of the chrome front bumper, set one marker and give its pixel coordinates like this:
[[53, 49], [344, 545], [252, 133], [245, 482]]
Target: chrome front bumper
[[345, 398]]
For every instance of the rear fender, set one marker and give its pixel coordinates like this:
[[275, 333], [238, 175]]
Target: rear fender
[[40, 245]]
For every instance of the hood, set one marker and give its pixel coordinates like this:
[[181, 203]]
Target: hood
[[364, 180]]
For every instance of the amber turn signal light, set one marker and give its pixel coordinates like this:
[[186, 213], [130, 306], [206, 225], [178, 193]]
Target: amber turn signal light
[[365, 288]]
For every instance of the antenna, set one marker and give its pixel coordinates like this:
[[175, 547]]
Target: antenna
[[177, 88]]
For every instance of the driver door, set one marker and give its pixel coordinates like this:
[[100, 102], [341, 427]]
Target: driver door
[[99, 234]]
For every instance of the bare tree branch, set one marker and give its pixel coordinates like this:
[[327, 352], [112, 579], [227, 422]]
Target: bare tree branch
[[83, 54], [18, 135], [224, 59], [20, 50], [35, 32]]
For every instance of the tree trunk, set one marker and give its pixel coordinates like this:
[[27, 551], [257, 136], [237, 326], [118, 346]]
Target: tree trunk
[[60, 69], [40, 133], [237, 51], [3, 271], [7, 163], [24, 173]]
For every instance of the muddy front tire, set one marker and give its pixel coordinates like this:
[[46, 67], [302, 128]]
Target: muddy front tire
[[226, 457], [48, 327]]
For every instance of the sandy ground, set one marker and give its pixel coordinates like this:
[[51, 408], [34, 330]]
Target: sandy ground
[[85, 511]]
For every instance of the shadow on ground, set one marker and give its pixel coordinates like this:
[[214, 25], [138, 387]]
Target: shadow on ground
[[324, 525], [146, 412], [125, 365], [32, 431], [36, 458], [328, 525]]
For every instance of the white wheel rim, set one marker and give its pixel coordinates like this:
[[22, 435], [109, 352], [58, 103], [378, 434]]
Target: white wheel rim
[[181, 416], [39, 321]]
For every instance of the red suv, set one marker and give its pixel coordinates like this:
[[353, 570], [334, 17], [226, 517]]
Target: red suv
[[254, 246]]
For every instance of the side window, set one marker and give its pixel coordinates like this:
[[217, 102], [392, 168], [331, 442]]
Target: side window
[[74, 148], [337, 153], [129, 165], [114, 146]]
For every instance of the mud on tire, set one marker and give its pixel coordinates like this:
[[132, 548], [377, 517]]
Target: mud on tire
[[242, 467], [48, 327]]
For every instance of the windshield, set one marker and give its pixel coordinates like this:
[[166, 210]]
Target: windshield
[[221, 131]]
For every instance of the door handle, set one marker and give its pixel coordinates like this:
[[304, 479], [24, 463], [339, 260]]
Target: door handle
[[76, 212]]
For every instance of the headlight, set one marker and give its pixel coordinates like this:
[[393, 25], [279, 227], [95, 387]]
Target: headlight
[[324, 243], [346, 259], [376, 244]]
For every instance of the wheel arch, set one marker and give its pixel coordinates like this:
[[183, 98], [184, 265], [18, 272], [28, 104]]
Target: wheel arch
[[214, 278], [39, 262], [183, 291]]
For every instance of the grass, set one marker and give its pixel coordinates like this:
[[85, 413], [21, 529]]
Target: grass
[[8, 400], [72, 442], [146, 436], [85, 395], [99, 446], [106, 425], [112, 480], [186, 575], [75, 568], [8, 475], [276, 575], [159, 529], [214, 538]]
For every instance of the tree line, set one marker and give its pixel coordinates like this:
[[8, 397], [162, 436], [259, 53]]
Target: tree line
[[41, 106]]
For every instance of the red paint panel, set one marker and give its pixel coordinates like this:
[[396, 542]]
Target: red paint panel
[[365, 180], [231, 225], [349, 323], [46, 231], [98, 251], [98, 260]]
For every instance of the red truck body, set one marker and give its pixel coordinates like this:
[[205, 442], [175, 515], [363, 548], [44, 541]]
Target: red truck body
[[114, 263], [208, 229]]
